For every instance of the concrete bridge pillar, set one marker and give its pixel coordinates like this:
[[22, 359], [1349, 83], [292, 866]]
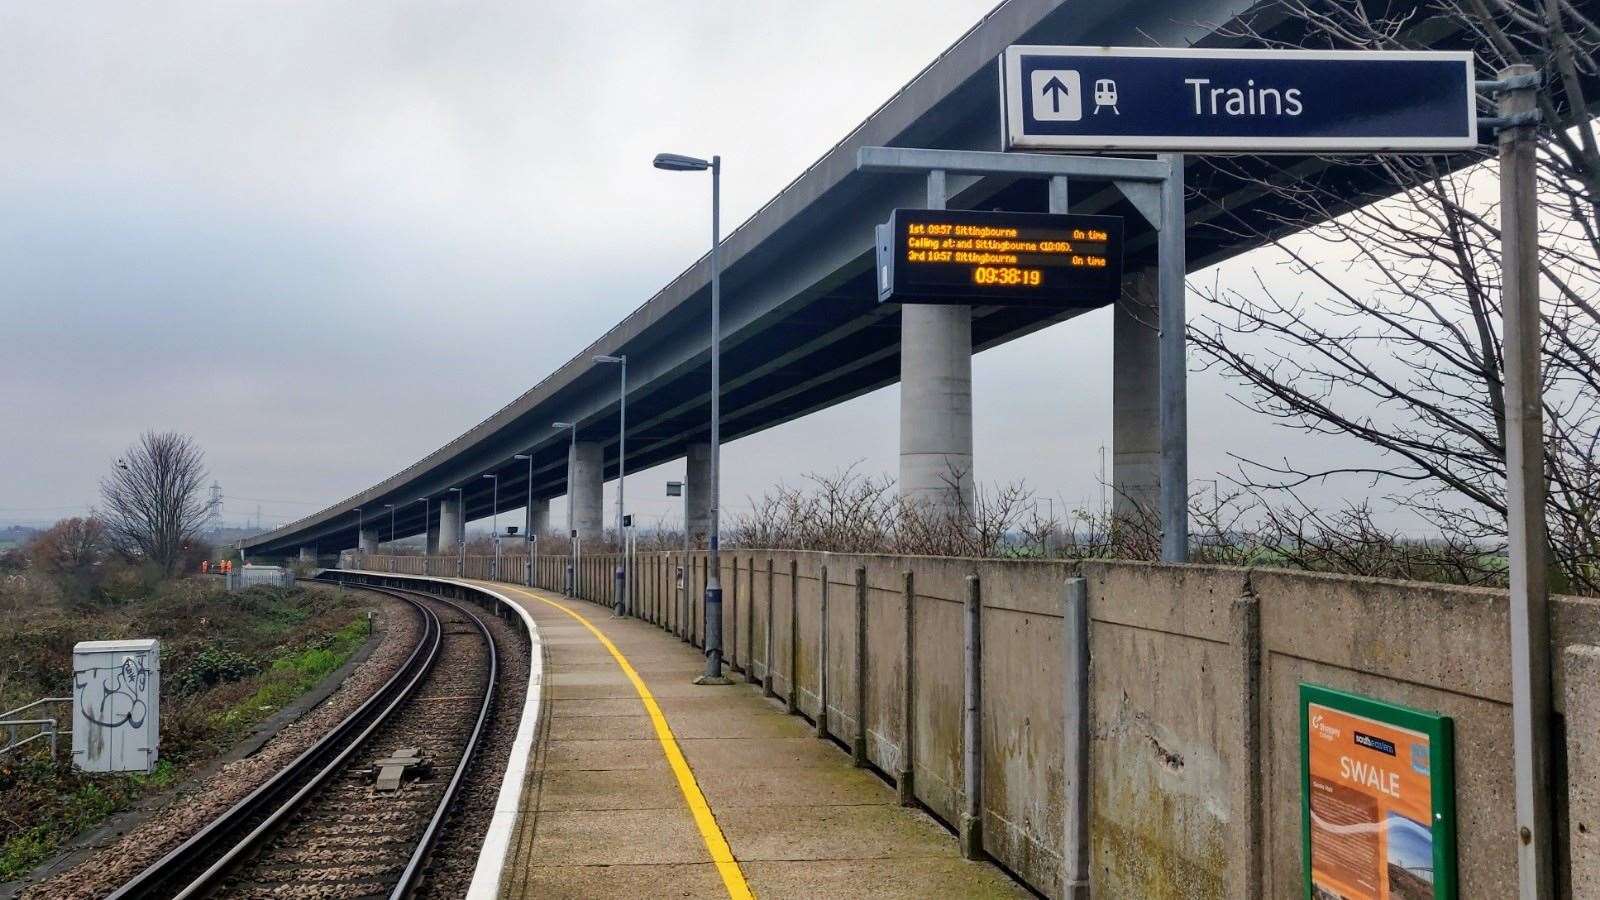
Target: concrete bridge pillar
[[585, 467], [936, 398], [697, 494], [936, 407], [432, 539], [368, 542], [1136, 400], [449, 528], [539, 517], [308, 554]]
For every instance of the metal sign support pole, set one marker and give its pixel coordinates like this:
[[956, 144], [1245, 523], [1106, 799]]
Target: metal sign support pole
[[1155, 187], [1172, 265], [1525, 491]]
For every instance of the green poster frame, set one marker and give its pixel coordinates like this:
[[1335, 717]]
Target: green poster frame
[[1441, 767]]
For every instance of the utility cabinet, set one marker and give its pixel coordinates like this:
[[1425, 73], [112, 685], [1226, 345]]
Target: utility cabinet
[[116, 705]]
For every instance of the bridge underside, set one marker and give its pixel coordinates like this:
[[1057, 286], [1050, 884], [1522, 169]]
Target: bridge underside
[[802, 326]]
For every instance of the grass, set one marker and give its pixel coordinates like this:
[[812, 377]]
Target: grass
[[85, 806], [293, 675], [228, 661]]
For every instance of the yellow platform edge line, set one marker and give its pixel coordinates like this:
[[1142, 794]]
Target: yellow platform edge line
[[710, 832]]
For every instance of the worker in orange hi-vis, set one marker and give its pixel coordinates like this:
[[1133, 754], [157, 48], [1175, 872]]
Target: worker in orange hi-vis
[[205, 566]]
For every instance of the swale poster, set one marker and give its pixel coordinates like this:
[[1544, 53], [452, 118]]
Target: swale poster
[[1378, 805]]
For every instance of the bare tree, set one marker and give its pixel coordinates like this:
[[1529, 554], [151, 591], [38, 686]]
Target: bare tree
[[1396, 341], [154, 507], [72, 547]]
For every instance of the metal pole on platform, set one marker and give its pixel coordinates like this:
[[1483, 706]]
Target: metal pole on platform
[[675, 163], [572, 533], [619, 605], [461, 531], [1525, 489], [1172, 265], [494, 527], [426, 514], [527, 510]]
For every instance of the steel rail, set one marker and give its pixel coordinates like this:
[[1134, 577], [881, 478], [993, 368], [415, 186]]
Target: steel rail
[[412, 874], [157, 879]]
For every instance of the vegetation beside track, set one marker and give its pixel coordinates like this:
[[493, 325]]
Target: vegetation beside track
[[228, 661]]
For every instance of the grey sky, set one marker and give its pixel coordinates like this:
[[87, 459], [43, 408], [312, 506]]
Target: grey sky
[[327, 238]]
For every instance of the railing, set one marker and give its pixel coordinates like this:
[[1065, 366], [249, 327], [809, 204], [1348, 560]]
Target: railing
[[48, 729]]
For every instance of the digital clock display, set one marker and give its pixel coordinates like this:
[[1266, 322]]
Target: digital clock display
[[999, 258]]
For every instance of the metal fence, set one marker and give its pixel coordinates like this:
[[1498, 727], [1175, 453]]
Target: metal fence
[[44, 728], [253, 576]]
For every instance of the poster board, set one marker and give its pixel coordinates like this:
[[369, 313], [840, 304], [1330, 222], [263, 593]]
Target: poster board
[[1377, 800]]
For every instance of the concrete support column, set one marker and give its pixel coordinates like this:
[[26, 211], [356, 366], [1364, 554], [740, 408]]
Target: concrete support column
[[449, 525], [936, 407], [697, 494], [540, 518], [369, 539], [1136, 400], [308, 554], [585, 489], [433, 538]]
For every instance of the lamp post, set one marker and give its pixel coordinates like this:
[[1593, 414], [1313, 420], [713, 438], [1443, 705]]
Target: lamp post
[[531, 538], [572, 534], [494, 527], [673, 162], [390, 507], [426, 511], [461, 531], [621, 594], [361, 528]]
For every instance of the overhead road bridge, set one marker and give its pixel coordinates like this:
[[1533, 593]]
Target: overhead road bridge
[[801, 325]]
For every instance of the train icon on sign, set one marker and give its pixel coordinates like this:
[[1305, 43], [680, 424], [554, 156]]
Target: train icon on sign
[[1105, 94]]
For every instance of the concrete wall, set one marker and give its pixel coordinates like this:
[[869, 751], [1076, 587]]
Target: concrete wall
[[1194, 749]]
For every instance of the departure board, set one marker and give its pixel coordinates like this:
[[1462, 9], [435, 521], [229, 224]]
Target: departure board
[[999, 258]]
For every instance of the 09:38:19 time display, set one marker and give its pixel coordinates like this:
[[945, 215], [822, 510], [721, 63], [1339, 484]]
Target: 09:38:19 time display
[[1007, 275]]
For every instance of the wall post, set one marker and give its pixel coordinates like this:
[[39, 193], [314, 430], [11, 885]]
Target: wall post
[[1075, 646], [731, 642], [1247, 791], [905, 782], [750, 624], [792, 703], [822, 660], [767, 686], [858, 744], [971, 826]]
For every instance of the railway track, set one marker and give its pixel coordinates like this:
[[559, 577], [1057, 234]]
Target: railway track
[[321, 827]]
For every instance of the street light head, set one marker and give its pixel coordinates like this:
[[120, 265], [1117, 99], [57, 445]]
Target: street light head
[[489, 476], [562, 425], [610, 359], [674, 162], [522, 456]]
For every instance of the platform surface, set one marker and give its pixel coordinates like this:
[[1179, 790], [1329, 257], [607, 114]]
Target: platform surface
[[631, 746]]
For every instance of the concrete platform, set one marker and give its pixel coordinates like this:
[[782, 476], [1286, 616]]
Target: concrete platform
[[606, 812]]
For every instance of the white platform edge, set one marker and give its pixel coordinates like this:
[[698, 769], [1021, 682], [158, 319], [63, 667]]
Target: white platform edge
[[496, 849]]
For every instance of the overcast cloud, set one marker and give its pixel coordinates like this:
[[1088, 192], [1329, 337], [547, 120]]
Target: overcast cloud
[[327, 238]]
